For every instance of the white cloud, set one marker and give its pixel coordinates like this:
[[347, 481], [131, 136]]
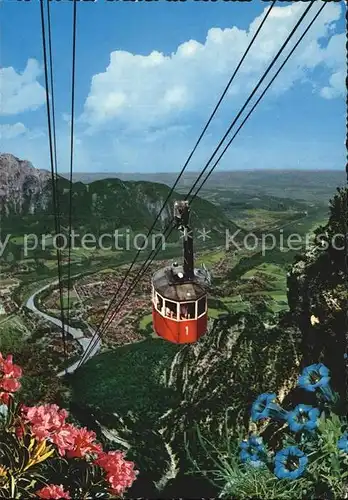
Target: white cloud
[[139, 92], [336, 87], [8, 131], [147, 109], [21, 92], [33, 145]]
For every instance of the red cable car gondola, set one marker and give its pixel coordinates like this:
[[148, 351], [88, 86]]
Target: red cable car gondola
[[179, 293]]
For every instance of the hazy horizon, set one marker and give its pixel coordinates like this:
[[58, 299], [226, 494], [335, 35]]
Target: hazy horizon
[[176, 172]]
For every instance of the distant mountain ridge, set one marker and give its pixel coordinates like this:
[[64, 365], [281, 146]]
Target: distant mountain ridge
[[297, 184], [26, 202]]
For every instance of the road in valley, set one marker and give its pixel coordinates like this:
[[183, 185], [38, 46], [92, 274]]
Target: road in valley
[[77, 333]]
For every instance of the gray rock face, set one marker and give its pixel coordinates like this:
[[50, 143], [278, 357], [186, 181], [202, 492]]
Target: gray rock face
[[219, 377], [23, 189], [318, 295]]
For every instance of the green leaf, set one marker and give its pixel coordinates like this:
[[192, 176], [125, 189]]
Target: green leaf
[[335, 464], [13, 487]]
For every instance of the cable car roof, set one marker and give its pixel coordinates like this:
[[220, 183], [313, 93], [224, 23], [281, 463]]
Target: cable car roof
[[167, 284]]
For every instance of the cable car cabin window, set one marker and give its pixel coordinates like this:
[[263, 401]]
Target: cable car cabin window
[[202, 306], [188, 310], [171, 309], [159, 303]]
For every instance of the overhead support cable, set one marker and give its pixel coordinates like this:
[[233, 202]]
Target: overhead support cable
[[72, 146], [149, 260], [52, 148], [189, 158], [255, 105]]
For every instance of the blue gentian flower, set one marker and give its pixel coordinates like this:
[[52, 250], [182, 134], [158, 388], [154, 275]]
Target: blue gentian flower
[[264, 407], [290, 463], [342, 443], [303, 417], [252, 460], [252, 451], [315, 377]]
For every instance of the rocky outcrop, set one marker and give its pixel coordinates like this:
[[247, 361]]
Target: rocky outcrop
[[219, 377], [23, 189], [318, 294]]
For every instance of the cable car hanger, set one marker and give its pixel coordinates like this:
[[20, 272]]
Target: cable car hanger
[[179, 293], [181, 222]]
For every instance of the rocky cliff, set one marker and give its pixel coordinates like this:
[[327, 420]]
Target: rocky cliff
[[23, 188], [318, 294], [219, 378]]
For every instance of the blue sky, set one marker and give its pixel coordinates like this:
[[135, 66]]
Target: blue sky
[[149, 73]]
